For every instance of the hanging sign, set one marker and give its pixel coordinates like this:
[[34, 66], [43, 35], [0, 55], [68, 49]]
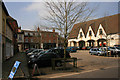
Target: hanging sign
[[14, 69]]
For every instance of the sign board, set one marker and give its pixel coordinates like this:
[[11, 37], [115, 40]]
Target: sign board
[[14, 69]]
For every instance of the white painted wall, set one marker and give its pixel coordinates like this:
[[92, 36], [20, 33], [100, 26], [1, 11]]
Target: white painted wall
[[113, 39], [90, 37], [98, 36]]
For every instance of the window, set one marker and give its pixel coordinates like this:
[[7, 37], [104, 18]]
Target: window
[[26, 40], [26, 34], [90, 33], [49, 35], [53, 35], [81, 34], [100, 31], [31, 34], [36, 34], [45, 35], [20, 37], [3, 27], [53, 41], [31, 40], [49, 41]]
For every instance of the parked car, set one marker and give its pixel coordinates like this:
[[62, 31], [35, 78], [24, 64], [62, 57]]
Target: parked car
[[116, 45], [71, 49], [88, 47], [29, 50], [35, 51], [37, 54], [44, 60], [84, 48], [117, 50], [97, 51], [59, 51]]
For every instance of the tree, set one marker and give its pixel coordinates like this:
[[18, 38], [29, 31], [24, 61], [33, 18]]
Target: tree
[[63, 15]]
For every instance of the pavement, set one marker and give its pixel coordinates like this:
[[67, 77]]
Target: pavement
[[8, 64]]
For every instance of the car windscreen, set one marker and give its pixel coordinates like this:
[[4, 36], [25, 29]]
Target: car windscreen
[[118, 48]]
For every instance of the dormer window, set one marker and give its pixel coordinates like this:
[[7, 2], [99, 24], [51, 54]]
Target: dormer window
[[81, 34], [100, 31], [90, 33]]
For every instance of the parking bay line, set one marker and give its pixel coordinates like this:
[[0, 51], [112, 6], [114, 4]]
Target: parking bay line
[[79, 72]]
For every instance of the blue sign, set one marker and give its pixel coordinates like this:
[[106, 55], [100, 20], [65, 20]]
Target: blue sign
[[14, 69]]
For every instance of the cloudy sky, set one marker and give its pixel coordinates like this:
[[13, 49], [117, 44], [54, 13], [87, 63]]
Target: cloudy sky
[[29, 13]]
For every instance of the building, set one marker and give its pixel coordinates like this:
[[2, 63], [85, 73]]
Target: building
[[99, 32], [20, 39], [27, 39], [7, 34], [36, 39], [49, 39]]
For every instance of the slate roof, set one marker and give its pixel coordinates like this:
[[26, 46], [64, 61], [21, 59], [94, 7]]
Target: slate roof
[[109, 23]]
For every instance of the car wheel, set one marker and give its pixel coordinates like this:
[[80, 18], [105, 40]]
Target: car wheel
[[58, 64], [98, 54], [90, 53]]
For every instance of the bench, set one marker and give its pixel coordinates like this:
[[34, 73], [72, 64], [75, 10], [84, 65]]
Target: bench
[[73, 59]]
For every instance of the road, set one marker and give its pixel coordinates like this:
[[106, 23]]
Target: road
[[87, 64], [95, 73]]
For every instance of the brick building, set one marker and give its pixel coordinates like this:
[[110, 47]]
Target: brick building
[[49, 39], [36, 39]]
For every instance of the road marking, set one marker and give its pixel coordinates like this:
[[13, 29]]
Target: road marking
[[79, 72]]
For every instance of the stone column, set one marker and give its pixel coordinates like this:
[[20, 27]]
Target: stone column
[[72, 43], [77, 44], [95, 43], [86, 43]]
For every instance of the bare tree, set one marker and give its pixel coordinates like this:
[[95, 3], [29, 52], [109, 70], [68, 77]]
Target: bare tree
[[64, 15]]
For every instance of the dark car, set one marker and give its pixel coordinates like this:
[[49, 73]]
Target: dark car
[[44, 60], [29, 50]]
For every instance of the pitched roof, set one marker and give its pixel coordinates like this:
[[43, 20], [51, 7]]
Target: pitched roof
[[109, 23], [4, 8]]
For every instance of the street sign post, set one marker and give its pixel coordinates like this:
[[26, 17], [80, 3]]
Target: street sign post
[[14, 69]]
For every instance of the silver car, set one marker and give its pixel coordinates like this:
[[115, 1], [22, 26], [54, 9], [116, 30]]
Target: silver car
[[97, 51]]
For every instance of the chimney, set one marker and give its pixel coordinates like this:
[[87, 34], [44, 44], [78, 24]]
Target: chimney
[[53, 30], [38, 29]]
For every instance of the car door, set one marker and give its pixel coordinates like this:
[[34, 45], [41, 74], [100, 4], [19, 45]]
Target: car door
[[94, 51]]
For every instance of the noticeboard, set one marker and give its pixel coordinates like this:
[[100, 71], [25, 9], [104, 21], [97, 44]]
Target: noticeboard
[[14, 69]]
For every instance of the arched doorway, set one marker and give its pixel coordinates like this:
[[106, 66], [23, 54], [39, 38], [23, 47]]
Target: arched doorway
[[101, 42], [75, 44], [91, 43], [81, 44]]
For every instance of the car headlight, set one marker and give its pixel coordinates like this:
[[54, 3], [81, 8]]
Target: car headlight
[[29, 61]]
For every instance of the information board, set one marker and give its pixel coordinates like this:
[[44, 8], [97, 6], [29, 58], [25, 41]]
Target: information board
[[14, 69]]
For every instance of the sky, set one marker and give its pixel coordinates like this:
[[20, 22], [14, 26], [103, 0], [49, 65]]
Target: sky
[[28, 14]]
